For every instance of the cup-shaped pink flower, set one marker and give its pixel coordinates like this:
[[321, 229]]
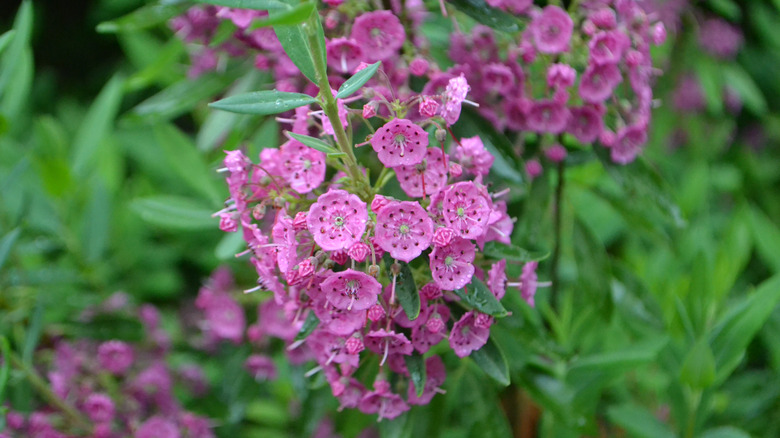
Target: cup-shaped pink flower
[[303, 167], [400, 143], [343, 54], [380, 34], [466, 336], [404, 230], [351, 290], [337, 220], [466, 209], [425, 178], [551, 30], [473, 156], [451, 265]]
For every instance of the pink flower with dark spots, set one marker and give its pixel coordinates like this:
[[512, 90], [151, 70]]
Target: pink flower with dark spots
[[330, 348], [466, 337], [561, 75], [466, 209], [425, 178], [585, 123], [451, 265], [483, 321], [344, 54], [551, 30], [443, 236], [548, 116], [384, 342], [303, 167], [337, 220], [498, 78], [383, 402], [400, 143], [379, 33], [351, 290], [404, 230], [598, 82], [342, 322], [454, 95], [359, 252], [528, 280], [115, 356], [497, 280], [473, 156]]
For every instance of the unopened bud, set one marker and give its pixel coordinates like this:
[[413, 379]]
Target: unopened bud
[[258, 212], [359, 251], [373, 271], [279, 202], [354, 345], [456, 170], [441, 135], [376, 312], [395, 268], [299, 222]]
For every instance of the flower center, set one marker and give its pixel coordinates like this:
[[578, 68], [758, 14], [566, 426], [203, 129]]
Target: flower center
[[307, 164], [448, 261], [352, 286], [403, 229], [339, 221], [461, 212]]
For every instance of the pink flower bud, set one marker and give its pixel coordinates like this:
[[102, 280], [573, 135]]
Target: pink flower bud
[[534, 168], [556, 153], [607, 138], [376, 312], [369, 110], [299, 222], [456, 170], [359, 251], [659, 34], [254, 333], [379, 202], [435, 324], [443, 236], [634, 58], [262, 62], [354, 345], [360, 66], [483, 321], [428, 106], [430, 291], [339, 257], [418, 66], [227, 223]]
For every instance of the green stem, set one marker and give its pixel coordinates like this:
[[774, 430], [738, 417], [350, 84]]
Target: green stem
[[43, 388], [330, 108], [556, 256]]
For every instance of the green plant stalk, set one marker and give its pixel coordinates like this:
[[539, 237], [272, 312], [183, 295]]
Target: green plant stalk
[[43, 388], [330, 107], [556, 256]]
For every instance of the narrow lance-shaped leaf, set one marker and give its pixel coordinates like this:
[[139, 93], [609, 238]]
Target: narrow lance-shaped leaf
[[295, 41], [174, 212], [142, 18], [309, 325], [7, 243], [492, 361], [314, 143], [5, 39], [513, 253], [263, 102], [96, 125], [289, 17], [5, 368], [478, 296], [405, 289], [357, 80], [416, 366], [259, 5]]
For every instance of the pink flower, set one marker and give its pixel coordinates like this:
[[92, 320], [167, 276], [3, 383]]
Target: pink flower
[[497, 279], [604, 18], [354, 345], [342, 322], [225, 318], [551, 30], [379, 33], [344, 54], [528, 282], [598, 81], [386, 342], [426, 335], [466, 210], [115, 356], [157, 427], [498, 78], [473, 156], [369, 110], [430, 291], [260, 367], [628, 143], [99, 407], [585, 123], [404, 230], [425, 178], [451, 265], [533, 168], [303, 167], [548, 116], [608, 47], [443, 236], [561, 75], [466, 336], [435, 373], [379, 202], [383, 402], [400, 142], [337, 220], [376, 312], [454, 95], [351, 290], [720, 38], [556, 153], [359, 252]]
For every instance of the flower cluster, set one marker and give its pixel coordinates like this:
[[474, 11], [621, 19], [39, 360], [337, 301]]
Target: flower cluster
[[115, 388]]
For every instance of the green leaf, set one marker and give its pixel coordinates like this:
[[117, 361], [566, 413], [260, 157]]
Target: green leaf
[[725, 432], [726, 8], [5, 368], [616, 362], [478, 296], [711, 79], [33, 335], [263, 102], [260, 5], [698, 368], [314, 143], [506, 160], [766, 235], [5, 39], [96, 125], [230, 245], [416, 366], [492, 361], [185, 160], [405, 289], [309, 325], [736, 78], [175, 212], [290, 17], [734, 331], [21, 39], [500, 251], [295, 41], [491, 17], [357, 80], [639, 422], [7, 243], [96, 222], [219, 124], [143, 18], [106, 327]]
